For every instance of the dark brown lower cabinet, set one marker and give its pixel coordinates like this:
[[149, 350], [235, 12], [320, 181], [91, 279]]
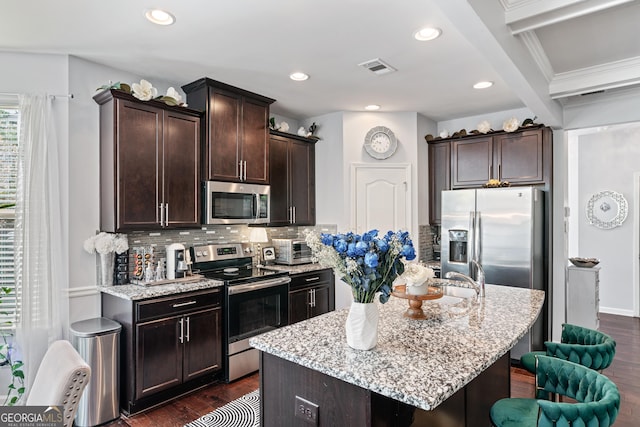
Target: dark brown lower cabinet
[[311, 294], [342, 404], [170, 345]]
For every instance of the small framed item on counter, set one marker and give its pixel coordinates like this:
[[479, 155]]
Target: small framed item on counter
[[268, 254]]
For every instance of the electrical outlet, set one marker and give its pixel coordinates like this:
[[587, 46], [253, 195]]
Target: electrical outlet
[[306, 410]]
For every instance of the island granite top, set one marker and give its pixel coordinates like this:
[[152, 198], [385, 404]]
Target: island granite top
[[418, 362], [138, 292]]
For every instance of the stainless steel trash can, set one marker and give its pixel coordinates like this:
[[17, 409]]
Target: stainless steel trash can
[[98, 342]]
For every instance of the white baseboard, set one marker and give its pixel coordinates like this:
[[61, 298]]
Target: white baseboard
[[618, 311]]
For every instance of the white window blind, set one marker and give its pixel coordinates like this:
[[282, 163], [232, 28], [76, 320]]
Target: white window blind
[[9, 127]]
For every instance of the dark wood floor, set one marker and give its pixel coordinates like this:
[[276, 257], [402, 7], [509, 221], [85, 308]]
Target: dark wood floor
[[624, 371]]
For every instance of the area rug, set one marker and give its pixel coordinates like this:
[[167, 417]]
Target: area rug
[[242, 412]]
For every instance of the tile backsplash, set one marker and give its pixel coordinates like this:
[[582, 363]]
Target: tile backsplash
[[239, 233], [212, 234]]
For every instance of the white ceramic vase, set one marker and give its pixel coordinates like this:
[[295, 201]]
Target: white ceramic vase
[[107, 264], [362, 326]]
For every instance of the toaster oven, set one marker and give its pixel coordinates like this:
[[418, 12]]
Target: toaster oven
[[291, 251]]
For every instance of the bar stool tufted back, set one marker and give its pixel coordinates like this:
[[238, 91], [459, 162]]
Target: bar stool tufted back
[[60, 380], [598, 398], [584, 346]]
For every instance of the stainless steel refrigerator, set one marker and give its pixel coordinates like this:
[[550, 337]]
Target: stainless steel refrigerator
[[502, 229]]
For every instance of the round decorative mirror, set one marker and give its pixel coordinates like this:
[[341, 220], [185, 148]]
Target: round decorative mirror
[[607, 209]]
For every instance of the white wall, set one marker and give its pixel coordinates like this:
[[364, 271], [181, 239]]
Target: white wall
[[607, 159], [342, 144], [603, 110], [330, 207]]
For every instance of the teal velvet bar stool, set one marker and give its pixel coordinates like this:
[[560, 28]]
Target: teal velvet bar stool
[[598, 399], [584, 346]]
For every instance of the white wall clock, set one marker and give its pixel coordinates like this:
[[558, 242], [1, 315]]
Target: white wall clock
[[607, 209], [380, 142]]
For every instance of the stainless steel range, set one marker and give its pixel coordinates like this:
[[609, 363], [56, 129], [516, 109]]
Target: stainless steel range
[[256, 301]]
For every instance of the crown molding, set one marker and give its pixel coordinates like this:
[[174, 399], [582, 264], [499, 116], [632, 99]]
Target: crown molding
[[530, 15], [611, 75], [531, 41]]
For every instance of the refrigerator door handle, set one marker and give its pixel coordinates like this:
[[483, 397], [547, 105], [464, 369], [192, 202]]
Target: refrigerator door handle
[[477, 239], [471, 241]]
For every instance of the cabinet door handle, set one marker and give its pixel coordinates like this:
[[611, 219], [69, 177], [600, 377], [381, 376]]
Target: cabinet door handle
[[161, 207], [181, 337], [240, 170], [290, 215], [500, 171], [313, 297], [182, 304], [245, 171], [166, 214], [312, 279], [294, 215], [188, 329]]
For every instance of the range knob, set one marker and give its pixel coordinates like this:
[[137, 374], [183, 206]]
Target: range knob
[[199, 253]]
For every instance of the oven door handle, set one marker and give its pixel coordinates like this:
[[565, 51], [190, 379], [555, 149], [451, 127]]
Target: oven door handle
[[263, 284]]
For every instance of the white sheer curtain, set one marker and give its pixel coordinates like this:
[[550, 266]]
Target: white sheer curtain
[[44, 306]]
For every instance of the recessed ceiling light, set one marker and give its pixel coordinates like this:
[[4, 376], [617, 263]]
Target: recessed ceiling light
[[160, 17], [372, 107], [426, 34], [482, 85], [298, 76]]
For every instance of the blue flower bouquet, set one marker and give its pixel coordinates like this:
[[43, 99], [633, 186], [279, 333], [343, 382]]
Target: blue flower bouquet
[[368, 263]]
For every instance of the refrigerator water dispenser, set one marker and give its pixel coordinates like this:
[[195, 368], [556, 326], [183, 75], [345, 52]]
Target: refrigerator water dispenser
[[458, 246]]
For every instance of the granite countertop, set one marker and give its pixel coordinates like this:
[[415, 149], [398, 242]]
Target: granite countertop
[[433, 264], [296, 269], [138, 292], [418, 362]]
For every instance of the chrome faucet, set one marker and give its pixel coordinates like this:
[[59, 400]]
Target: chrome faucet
[[477, 284]]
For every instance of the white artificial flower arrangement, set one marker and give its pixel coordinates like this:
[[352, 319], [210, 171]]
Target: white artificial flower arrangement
[[416, 276], [144, 91], [172, 93], [511, 125], [484, 126], [105, 243]]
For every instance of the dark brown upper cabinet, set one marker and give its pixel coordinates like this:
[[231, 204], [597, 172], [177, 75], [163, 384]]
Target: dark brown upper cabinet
[[292, 177], [236, 134], [521, 158], [149, 164], [439, 177]]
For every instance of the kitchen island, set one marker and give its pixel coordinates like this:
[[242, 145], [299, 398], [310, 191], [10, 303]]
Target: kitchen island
[[446, 370]]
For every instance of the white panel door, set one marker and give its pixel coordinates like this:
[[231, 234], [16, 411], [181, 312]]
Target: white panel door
[[381, 197]]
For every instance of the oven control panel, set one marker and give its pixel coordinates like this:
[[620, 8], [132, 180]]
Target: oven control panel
[[218, 252]]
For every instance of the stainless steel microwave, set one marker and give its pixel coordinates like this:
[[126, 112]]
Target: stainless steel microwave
[[235, 203]]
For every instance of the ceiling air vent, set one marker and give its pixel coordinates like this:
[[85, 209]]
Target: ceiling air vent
[[377, 66]]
